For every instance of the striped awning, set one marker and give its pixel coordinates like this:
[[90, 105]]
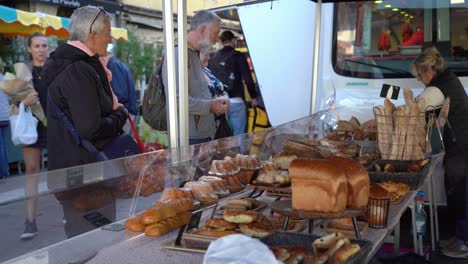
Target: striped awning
[[17, 22]]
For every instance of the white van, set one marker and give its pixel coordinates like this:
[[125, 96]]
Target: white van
[[353, 66]]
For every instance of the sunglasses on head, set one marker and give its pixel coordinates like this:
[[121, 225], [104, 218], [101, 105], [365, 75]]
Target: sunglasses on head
[[101, 10]]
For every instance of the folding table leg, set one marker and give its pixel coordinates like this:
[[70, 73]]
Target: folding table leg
[[431, 211], [413, 224], [396, 239], [356, 228]]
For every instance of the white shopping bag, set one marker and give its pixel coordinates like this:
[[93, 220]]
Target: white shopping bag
[[23, 127]]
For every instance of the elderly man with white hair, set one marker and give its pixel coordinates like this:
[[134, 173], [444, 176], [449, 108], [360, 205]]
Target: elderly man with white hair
[[204, 30], [79, 86]]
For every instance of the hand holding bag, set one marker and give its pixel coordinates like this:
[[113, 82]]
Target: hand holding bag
[[23, 127]]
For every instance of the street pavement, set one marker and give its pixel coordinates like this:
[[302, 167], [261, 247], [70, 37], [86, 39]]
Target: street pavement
[[49, 218]]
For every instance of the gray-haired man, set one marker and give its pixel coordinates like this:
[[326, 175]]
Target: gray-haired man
[[79, 86], [204, 31]]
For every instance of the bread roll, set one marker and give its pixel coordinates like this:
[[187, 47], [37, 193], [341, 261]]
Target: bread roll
[[220, 224], [261, 227], [202, 191], [245, 202], [213, 232], [358, 181], [240, 218], [344, 253], [322, 244], [318, 185]]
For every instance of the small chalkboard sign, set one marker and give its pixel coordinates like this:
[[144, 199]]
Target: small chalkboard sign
[[390, 91]]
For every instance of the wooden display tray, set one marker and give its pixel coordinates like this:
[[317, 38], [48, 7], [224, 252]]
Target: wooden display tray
[[269, 185], [273, 190], [284, 207], [200, 243]]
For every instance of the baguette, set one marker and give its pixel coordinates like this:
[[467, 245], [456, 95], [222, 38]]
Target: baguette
[[167, 225], [344, 253], [134, 224], [409, 97], [165, 210]]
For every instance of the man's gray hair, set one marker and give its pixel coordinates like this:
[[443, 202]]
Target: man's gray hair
[[81, 20], [203, 17]]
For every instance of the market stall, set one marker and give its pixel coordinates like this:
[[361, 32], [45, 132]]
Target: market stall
[[142, 181], [17, 22]]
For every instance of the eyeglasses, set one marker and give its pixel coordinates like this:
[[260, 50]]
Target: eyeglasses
[[101, 10]]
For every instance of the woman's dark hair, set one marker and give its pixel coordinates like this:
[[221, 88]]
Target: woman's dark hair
[[226, 36], [35, 34]]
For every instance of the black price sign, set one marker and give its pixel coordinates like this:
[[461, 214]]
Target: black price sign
[[390, 91]]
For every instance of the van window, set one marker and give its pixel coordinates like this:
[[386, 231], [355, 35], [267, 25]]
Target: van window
[[380, 39]]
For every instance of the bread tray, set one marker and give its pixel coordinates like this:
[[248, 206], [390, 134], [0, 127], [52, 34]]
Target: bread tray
[[415, 180], [271, 185], [347, 230], [199, 243], [279, 190], [306, 240]]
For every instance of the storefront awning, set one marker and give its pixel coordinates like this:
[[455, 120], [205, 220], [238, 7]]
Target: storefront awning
[[17, 22]]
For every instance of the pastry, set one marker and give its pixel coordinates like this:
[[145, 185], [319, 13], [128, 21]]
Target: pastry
[[240, 217], [220, 224]]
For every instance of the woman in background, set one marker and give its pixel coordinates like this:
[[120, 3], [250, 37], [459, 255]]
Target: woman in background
[[429, 67], [38, 51]]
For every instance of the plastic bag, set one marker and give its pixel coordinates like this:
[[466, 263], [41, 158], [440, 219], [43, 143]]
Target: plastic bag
[[23, 127], [238, 249]]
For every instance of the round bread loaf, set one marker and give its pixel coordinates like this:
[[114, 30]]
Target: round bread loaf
[[358, 181], [240, 217]]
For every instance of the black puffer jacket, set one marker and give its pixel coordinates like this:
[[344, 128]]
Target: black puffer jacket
[[79, 86], [456, 131]]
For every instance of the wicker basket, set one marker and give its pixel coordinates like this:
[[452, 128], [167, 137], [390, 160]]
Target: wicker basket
[[415, 180], [403, 135]]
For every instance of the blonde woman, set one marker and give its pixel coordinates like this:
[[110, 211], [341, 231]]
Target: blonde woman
[[431, 70]]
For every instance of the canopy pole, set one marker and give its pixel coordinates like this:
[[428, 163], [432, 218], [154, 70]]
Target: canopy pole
[[171, 74], [318, 20], [183, 72]]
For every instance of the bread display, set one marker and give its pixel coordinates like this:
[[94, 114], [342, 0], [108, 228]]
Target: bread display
[[318, 185], [358, 181], [281, 161], [268, 174], [246, 162], [217, 183], [173, 194], [401, 130], [223, 167], [202, 191], [233, 184]]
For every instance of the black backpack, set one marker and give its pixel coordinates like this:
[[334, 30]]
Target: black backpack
[[222, 66], [153, 106]]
